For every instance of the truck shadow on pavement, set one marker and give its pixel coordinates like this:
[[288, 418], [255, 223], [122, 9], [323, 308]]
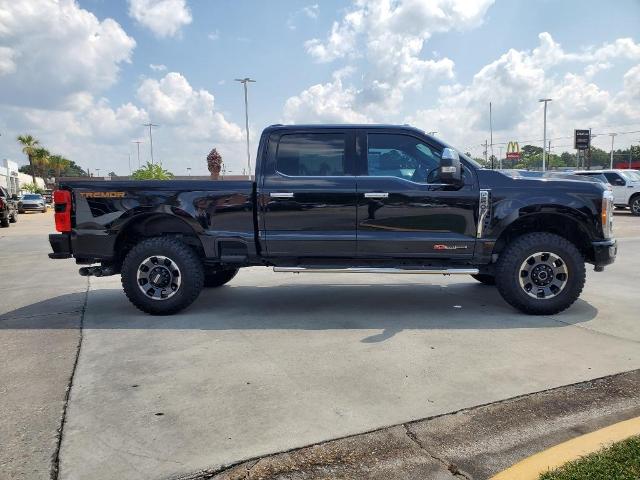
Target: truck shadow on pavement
[[390, 308]]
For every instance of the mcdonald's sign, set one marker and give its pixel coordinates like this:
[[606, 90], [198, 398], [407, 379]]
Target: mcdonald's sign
[[513, 151]]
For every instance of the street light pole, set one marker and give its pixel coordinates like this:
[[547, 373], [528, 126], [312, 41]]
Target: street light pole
[[613, 135], [138, 142], [544, 141], [150, 137], [244, 82]]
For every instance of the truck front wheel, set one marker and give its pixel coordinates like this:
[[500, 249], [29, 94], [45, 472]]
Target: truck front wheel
[[540, 273], [162, 275], [217, 278]]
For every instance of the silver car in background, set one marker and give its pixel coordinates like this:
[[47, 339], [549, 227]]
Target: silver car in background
[[31, 202]]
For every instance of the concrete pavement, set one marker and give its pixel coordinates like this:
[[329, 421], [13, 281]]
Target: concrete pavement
[[272, 361], [40, 310], [275, 361]]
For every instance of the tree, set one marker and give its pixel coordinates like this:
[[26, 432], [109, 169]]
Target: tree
[[32, 188], [152, 172], [112, 174], [58, 164], [41, 161], [29, 144], [214, 163]]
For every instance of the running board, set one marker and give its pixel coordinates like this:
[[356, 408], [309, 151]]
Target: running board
[[422, 271]]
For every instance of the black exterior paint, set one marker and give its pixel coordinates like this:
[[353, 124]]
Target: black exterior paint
[[328, 220]]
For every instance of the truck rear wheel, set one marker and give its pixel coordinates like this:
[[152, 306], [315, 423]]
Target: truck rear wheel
[[217, 278], [540, 273], [485, 279], [162, 276]]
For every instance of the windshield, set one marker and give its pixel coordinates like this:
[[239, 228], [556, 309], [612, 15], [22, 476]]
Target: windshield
[[32, 197]]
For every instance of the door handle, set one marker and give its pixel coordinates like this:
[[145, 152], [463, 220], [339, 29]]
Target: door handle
[[376, 195], [281, 194]]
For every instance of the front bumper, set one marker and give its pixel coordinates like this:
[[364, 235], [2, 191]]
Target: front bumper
[[60, 244], [32, 206], [604, 252]]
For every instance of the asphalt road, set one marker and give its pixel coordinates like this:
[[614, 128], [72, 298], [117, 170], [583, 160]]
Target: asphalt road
[[276, 361]]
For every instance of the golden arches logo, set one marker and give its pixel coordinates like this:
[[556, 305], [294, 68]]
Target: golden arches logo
[[513, 150]]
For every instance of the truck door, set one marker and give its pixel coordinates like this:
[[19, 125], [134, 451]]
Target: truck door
[[402, 209], [619, 186], [308, 194]]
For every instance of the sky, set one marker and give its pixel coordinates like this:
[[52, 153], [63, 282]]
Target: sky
[[84, 76]]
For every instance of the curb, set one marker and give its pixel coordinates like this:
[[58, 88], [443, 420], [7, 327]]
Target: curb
[[531, 467]]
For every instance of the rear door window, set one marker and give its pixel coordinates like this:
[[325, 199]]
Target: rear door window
[[312, 155]]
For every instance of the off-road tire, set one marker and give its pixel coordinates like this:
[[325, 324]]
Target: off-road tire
[[485, 279], [217, 278], [634, 205], [517, 252], [190, 265]]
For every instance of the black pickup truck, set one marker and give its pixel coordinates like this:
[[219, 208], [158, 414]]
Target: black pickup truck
[[353, 199]]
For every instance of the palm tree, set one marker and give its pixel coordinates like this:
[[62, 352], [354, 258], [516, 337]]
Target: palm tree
[[29, 145], [58, 163], [41, 161]]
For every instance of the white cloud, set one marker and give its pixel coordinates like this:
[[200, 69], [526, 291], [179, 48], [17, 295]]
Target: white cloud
[[215, 35], [157, 68], [54, 49], [388, 38], [514, 83], [173, 101], [164, 18], [330, 102]]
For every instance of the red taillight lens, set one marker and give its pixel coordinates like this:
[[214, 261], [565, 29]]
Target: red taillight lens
[[62, 199]]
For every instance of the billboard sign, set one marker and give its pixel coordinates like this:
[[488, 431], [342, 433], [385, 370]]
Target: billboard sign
[[513, 151], [581, 139]]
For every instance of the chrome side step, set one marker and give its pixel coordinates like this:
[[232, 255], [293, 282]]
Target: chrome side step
[[430, 271]]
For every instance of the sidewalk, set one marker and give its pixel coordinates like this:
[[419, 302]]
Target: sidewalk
[[473, 443]]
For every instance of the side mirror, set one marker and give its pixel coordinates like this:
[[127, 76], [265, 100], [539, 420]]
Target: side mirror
[[14, 197], [450, 168]]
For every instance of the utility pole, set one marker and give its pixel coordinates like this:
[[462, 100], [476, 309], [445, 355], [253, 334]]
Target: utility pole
[[491, 133], [97, 172], [150, 137], [129, 164], [500, 160], [189, 171], [544, 141], [613, 135], [244, 82], [588, 152], [138, 142]]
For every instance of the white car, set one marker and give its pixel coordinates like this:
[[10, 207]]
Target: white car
[[625, 185]]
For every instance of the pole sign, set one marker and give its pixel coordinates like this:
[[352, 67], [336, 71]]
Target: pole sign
[[513, 151], [581, 140]]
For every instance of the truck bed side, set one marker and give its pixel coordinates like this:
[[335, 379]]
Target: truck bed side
[[216, 217]]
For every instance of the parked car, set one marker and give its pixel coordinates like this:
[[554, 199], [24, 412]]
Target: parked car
[[342, 199], [32, 202], [8, 208], [625, 185]]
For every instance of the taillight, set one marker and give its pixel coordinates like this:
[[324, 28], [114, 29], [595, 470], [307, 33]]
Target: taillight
[[62, 199]]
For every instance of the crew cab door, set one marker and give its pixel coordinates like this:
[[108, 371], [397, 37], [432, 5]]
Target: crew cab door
[[620, 187], [308, 194], [402, 209]]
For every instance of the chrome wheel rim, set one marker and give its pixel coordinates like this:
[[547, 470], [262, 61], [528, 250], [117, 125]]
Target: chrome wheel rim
[[159, 277], [543, 275], [635, 206]]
